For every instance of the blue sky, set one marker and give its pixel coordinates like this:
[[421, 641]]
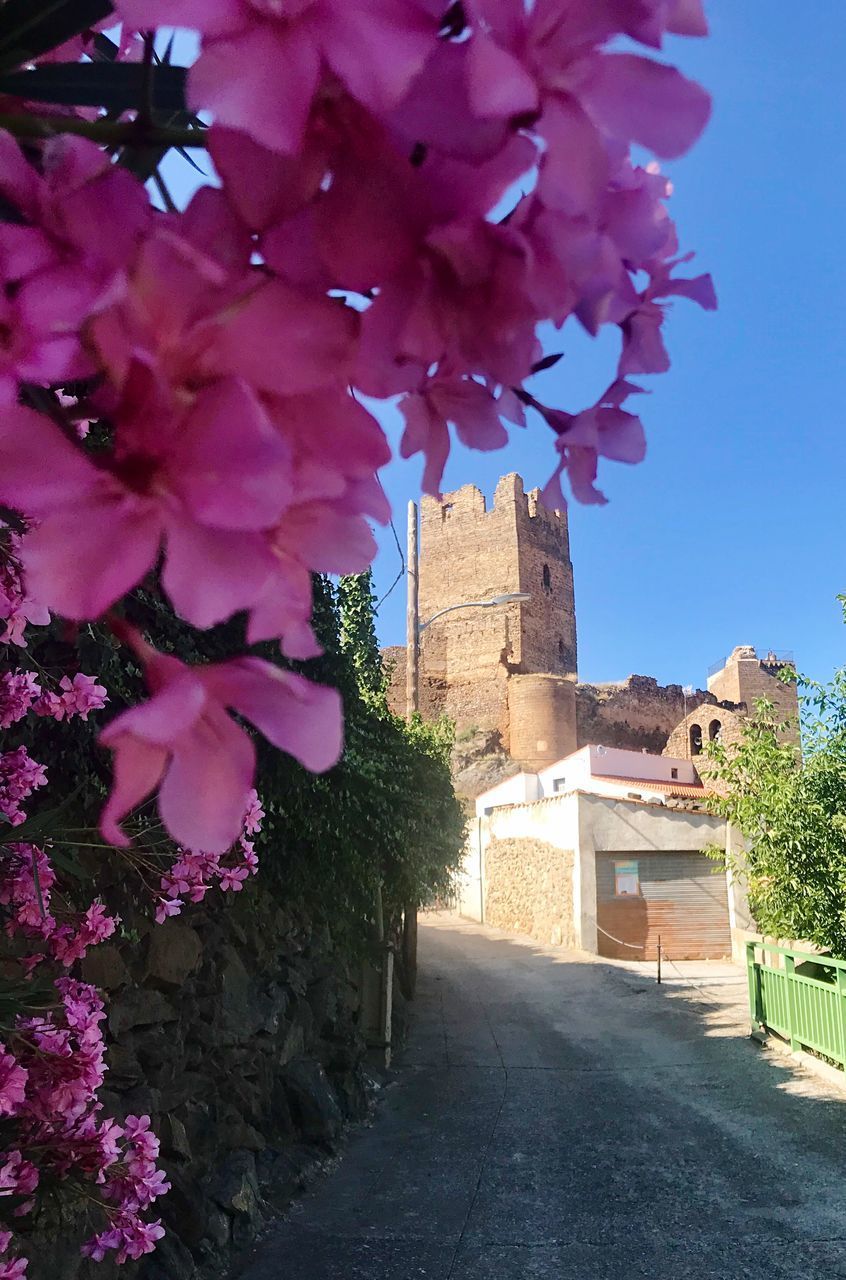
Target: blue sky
[[731, 531]]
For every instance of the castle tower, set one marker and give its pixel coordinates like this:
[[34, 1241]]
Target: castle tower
[[470, 660], [745, 677]]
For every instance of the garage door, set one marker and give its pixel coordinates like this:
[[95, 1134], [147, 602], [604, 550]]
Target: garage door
[[681, 896]]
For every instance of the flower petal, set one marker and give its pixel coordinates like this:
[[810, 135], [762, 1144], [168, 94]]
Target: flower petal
[[287, 341], [300, 717], [230, 466], [168, 715], [84, 558], [209, 574], [39, 467], [136, 771], [261, 81], [637, 99], [206, 787]]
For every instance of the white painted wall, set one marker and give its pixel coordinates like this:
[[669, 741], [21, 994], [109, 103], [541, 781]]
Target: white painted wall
[[469, 883], [520, 789], [587, 825], [573, 771], [616, 763]]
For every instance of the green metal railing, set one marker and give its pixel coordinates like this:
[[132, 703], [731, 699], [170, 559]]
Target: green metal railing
[[802, 997]]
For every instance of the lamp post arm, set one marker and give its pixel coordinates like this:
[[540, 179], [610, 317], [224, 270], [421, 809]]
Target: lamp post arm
[[451, 608]]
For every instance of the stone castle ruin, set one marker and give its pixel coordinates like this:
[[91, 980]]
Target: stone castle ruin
[[509, 675]]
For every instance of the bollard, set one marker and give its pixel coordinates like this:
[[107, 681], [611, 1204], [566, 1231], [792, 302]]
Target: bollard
[[659, 959]]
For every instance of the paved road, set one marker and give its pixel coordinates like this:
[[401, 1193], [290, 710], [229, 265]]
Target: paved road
[[558, 1118]]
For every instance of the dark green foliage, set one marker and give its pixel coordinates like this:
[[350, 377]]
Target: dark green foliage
[[29, 28], [116, 86], [385, 815]]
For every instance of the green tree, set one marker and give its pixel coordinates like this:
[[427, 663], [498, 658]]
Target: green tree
[[791, 810]]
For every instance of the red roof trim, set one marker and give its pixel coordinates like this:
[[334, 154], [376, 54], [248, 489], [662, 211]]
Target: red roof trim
[[653, 784]]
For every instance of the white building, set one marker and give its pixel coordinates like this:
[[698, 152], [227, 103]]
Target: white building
[[606, 850]]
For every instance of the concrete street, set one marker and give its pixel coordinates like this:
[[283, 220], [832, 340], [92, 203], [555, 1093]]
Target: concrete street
[[557, 1117]]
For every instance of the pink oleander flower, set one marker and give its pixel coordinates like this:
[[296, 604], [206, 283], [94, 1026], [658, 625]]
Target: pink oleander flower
[[254, 815], [13, 1078], [20, 775], [204, 483], [81, 695], [466, 404], [232, 879], [57, 266], [643, 345], [18, 692], [17, 609], [167, 907], [17, 1175], [262, 62], [13, 1269], [606, 430], [183, 742], [251, 861]]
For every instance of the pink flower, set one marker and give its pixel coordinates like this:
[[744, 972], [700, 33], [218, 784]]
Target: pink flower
[[183, 742], [17, 1176], [82, 695], [204, 483], [18, 692], [253, 816], [167, 907], [605, 429], [57, 266], [260, 68], [13, 1269], [461, 401], [232, 879], [643, 344], [13, 1080]]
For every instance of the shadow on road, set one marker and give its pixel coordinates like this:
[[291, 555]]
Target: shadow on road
[[555, 1116]]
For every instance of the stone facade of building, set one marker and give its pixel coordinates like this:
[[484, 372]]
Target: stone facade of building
[[530, 890]]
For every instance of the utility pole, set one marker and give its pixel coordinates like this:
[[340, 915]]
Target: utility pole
[[412, 704], [412, 620]]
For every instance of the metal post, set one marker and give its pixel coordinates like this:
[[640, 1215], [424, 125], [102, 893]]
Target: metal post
[[412, 620], [841, 1011], [793, 1013], [659, 959], [754, 977]]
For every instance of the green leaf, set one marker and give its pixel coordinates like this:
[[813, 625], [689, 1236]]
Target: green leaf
[[116, 86], [41, 826], [30, 28]]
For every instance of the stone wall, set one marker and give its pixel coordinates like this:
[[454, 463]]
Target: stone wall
[[469, 551], [746, 677], [529, 889], [636, 714], [704, 725], [238, 1028]]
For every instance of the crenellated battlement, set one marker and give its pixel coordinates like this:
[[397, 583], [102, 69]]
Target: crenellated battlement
[[510, 498]]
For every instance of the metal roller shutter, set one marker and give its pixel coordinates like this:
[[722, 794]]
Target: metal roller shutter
[[681, 896]]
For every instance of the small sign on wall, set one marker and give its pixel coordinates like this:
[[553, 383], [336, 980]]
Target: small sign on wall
[[626, 880]]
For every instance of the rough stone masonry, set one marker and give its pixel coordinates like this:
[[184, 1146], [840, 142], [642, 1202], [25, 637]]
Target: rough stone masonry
[[510, 675]]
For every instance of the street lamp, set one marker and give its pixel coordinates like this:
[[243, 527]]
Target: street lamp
[[414, 627]]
